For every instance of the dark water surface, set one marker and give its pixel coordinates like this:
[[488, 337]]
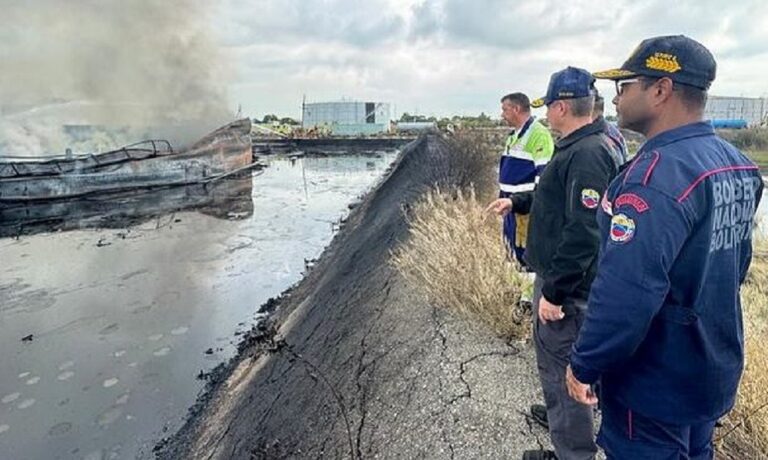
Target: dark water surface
[[121, 318]]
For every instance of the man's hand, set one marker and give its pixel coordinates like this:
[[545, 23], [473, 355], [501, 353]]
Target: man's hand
[[549, 311], [581, 392], [500, 206]]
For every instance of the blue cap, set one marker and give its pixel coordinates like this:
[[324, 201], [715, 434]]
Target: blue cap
[[682, 59], [568, 83]]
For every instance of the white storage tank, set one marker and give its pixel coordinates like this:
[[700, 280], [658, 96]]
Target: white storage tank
[[348, 118], [752, 110]]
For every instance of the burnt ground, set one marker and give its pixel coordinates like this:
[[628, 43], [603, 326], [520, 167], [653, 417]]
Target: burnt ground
[[354, 364]]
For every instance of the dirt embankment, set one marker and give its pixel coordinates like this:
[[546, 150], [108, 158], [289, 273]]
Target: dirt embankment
[[356, 365]]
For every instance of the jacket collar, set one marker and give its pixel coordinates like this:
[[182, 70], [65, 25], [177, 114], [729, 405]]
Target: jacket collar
[[597, 126], [525, 126], [697, 129]]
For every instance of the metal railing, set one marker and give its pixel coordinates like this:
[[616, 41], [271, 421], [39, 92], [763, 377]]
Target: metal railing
[[62, 164]]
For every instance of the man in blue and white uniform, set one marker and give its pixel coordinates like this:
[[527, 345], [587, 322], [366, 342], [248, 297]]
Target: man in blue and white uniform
[[663, 332]]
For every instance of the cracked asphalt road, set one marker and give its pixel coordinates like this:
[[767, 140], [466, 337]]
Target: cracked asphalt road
[[361, 367]]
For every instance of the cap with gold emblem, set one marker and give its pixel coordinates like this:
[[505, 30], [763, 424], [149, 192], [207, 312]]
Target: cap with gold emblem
[[682, 59]]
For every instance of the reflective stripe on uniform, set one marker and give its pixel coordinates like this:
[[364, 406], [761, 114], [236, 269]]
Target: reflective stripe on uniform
[[517, 151], [516, 188]]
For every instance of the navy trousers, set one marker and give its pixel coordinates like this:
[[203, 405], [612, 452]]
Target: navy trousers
[[627, 435], [510, 236]]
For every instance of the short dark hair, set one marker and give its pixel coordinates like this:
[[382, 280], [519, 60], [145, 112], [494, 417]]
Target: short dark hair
[[581, 106], [693, 97], [519, 99], [599, 104]]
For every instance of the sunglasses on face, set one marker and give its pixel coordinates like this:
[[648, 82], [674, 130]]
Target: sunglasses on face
[[621, 84]]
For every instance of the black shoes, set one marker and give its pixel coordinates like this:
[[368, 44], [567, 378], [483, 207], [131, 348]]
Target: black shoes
[[539, 455], [539, 415]]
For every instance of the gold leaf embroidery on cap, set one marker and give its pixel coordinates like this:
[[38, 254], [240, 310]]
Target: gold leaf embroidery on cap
[[663, 62]]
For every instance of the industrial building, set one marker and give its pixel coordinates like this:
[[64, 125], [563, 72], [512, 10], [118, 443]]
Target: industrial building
[[736, 111], [348, 118]]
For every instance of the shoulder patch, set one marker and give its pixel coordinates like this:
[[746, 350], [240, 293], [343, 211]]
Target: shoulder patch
[[590, 198], [622, 228], [630, 199]]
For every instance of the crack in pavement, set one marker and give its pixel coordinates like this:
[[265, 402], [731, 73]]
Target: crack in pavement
[[449, 442], [362, 367], [236, 418], [316, 374], [467, 394], [444, 345], [440, 333], [329, 437], [531, 431]]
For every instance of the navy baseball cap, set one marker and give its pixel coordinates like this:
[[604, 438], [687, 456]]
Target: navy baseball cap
[[682, 59], [568, 83]]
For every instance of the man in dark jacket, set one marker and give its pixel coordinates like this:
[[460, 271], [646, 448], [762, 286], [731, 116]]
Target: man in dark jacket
[[664, 329], [562, 249], [614, 134]]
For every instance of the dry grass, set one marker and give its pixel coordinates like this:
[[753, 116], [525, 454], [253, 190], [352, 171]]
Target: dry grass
[[472, 158], [760, 157], [455, 253], [456, 257], [746, 139], [745, 431]]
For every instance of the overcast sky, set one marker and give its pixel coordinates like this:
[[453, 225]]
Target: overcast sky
[[441, 57]]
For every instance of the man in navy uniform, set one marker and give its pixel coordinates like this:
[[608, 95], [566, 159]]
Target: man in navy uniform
[[663, 331]]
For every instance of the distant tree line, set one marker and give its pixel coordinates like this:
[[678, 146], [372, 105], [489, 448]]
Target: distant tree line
[[272, 118], [467, 121]]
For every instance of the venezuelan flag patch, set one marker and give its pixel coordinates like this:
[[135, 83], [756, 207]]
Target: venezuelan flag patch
[[590, 198], [622, 228]]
